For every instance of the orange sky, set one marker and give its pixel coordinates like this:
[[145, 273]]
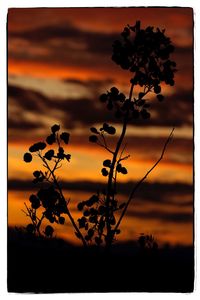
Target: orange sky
[[39, 50]]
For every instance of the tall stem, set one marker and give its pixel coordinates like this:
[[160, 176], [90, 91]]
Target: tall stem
[[112, 168]]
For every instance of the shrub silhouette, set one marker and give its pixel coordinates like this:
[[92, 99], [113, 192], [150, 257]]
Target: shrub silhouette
[[50, 197], [145, 54]]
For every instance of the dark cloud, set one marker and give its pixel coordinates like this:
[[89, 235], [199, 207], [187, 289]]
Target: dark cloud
[[28, 100], [93, 84], [95, 41], [62, 44], [160, 193], [176, 111], [156, 194], [22, 124], [163, 216], [69, 45]]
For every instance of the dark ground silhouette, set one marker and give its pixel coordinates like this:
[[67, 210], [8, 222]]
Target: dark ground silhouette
[[55, 266]]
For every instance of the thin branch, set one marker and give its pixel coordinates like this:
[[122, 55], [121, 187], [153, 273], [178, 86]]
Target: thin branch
[[104, 140], [29, 214], [120, 157], [25, 213], [123, 158], [140, 182], [103, 146], [62, 196]]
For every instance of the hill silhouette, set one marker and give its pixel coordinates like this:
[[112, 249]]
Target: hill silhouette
[[40, 265]]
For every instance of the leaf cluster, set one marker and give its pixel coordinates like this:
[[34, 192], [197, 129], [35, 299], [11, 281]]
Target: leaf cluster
[[93, 220], [48, 199]]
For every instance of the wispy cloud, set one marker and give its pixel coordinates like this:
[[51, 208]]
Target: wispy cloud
[[179, 109]]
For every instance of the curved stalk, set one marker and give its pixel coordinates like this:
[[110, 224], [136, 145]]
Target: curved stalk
[[141, 180], [111, 172]]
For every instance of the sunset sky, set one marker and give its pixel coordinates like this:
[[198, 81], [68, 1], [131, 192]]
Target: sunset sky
[[59, 62]]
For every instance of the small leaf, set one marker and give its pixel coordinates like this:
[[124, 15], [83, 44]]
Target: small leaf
[[90, 232], [67, 156], [111, 130], [104, 172], [123, 170], [51, 139], [49, 231], [107, 163], [86, 213], [103, 97], [105, 126], [27, 157], [60, 153], [157, 89], [94, 130], [93, 138], [55, 128], [80, 205], [33, 198], [114, 91], [65, 137], [82, 222], [93, 219], [30, 228], [33, 148], [61, 220], [35, 204], [94, 199], [37, 146], [49, 154], [141, 95], [119, 167], [36, 174]]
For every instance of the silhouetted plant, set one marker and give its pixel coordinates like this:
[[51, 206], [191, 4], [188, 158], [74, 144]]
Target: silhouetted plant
[[49, 202], [147, 242], [145, 53]]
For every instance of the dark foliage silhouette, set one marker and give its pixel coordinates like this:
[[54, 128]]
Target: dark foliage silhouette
[[40, 262], [145, 53], [50, 197]]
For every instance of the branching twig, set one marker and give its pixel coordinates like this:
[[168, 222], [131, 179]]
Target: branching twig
[[141, 180], [105, 147], [62, 196]]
